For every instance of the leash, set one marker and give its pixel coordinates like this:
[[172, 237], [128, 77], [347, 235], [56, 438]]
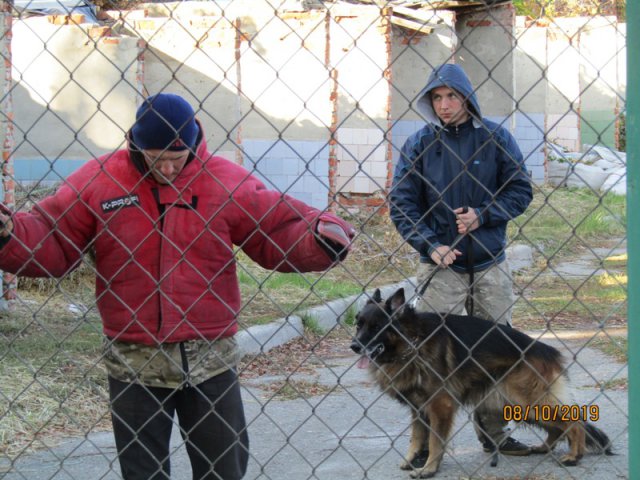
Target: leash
[[469, 304], [425, 285], [433, 273]]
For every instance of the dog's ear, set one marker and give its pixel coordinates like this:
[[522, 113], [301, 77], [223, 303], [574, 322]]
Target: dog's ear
[[396, 300], [377, 296]]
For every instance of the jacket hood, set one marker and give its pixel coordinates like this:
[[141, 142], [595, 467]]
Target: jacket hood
[[451, 76]]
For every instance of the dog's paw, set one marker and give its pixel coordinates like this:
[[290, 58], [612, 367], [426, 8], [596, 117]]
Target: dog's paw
[[423, 474], [568, 460], [540, 449], [417, 461]]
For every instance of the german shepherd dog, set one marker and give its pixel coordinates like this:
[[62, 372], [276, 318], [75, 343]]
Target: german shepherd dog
[[435, 364]]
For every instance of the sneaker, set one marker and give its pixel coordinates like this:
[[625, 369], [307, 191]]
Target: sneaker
[[510, 446]]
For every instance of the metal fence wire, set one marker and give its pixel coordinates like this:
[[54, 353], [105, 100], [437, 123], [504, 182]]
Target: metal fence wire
[[320, 102]]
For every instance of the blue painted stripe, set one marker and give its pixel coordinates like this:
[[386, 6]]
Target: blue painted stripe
[[40, 169]]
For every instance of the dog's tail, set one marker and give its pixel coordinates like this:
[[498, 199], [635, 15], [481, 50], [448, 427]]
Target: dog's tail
[[597, 440]]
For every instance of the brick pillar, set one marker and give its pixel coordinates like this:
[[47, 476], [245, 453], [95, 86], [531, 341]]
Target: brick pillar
[[333, 127], [388, 38], [8, 288]]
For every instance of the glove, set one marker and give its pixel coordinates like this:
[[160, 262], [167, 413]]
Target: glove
[[335, 236]]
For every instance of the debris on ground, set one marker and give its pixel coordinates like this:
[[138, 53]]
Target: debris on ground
[[596, 167]]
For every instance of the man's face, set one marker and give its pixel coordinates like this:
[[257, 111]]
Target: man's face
[[165, 165], [449, 105]]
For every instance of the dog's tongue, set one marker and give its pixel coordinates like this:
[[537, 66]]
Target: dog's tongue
[[363, 362]]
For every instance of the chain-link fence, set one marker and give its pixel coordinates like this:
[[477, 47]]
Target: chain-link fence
[[157, 281]]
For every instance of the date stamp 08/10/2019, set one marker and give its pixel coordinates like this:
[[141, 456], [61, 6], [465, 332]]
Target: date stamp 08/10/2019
[[551, 413]]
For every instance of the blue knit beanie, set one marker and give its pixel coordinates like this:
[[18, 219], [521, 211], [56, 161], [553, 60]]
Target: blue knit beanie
[[165, 122]]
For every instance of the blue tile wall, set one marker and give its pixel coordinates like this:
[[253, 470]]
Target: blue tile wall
[[400, 132], [530, 136], [298, 168]]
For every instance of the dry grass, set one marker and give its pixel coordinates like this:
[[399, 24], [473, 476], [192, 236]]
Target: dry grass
[[549, 300], [561, 220], [614, 346], [53, 382], [293, 389]]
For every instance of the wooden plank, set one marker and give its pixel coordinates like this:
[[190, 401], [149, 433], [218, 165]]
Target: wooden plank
[[412, 25], [424, 7], [446, 4], [413, 14]]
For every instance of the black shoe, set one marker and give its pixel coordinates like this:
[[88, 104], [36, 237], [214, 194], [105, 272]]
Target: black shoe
[[510, 446], [420, 459]]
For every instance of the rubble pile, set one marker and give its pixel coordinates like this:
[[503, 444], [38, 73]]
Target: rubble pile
[[597, 167]]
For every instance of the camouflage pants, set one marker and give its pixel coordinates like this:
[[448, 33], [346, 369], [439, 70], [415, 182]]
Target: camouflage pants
[[493, 300]]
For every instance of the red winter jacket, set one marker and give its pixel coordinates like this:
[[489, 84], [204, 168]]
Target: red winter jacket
[[170, 277]]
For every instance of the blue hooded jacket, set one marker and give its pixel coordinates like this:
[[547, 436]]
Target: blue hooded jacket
[[476, 164]]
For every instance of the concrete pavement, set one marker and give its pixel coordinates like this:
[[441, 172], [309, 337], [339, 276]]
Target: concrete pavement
[[354, 432]]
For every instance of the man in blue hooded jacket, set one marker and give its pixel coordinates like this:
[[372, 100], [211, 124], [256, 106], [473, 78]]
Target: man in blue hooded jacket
[[458, 181]]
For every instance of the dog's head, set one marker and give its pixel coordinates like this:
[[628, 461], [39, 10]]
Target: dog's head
[[375, 327]]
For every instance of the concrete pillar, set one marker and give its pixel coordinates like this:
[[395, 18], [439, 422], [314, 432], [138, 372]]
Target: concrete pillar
[[486, 45]]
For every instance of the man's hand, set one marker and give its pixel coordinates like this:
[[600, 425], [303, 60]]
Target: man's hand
[[443, 256], [466, 219], [6, 225], [336, 237]]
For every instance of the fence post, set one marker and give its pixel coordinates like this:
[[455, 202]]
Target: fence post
[[633, 233]]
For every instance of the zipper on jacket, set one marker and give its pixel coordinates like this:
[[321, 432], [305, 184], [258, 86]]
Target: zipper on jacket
[[156, 195]]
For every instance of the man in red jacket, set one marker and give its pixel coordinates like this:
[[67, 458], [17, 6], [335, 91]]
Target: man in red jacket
[[163, 217]]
